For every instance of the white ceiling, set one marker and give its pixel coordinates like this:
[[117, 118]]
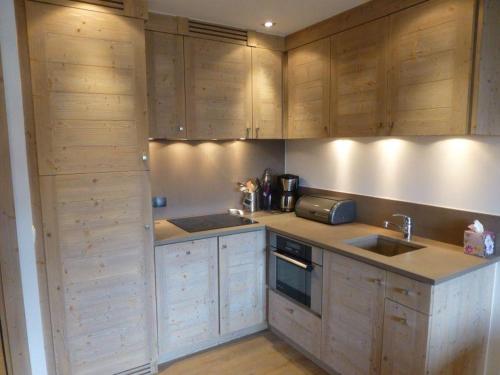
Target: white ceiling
[[289, 15]]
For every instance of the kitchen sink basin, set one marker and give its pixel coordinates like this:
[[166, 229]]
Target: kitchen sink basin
[[383, 245]]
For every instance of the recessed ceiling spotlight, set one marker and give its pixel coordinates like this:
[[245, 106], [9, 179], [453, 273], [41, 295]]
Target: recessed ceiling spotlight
[[269, 24]]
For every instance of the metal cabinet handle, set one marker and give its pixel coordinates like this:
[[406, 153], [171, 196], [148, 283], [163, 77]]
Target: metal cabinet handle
[[224, 246], [289, 310], [375, 281], [144, 157], [400, 320], [293, 261], [147, 227], [247, 133], [257, 132], [180, 128], [406, 292]]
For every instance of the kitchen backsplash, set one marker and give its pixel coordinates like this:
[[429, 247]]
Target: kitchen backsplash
[[200, 177]]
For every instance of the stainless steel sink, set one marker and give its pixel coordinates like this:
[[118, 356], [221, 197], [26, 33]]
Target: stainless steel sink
[[383, 245]]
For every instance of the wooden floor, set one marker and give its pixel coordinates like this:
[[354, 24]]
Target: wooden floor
[[259, 354]]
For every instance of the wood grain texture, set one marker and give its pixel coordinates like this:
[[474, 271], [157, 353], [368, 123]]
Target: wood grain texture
[[460, 323], [166, 94], [431, 68], [352, 315], [349, 19], [267, 93], [486, 111], [308, 76], [261, 354], [296, 323], [129, 8], [406, 334], [267, 41], [437, 223], [89, 90], [242, 281], [162, 23], [187, 296], [410, 293], [101, 273], [218, 89], [359, 80]]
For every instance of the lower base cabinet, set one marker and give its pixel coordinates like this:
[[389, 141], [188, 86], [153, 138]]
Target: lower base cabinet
[[209, 291], [378, 322]]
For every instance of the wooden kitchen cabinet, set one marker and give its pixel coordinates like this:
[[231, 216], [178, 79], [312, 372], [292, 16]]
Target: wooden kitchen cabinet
[[242, 259], [308, 73], [166, 95], [359, 80], [187, 296], [267, 93], [89, 90], [352, 315], [431, 55], [218, 89], [98, 246], [406, 332]]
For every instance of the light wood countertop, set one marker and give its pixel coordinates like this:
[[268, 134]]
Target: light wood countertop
[[435, 263]]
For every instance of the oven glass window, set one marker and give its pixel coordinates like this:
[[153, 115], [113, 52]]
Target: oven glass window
[[293, 281]]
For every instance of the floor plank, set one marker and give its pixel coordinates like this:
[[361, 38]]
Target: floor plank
[[260, 354]]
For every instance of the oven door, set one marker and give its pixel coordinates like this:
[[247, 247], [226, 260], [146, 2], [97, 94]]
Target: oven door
[[296, 279]]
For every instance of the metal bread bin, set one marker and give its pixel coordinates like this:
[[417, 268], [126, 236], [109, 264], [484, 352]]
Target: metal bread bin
[[328, 210]]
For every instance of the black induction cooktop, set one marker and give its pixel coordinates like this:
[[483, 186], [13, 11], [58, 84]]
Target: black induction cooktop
[[208, 222]]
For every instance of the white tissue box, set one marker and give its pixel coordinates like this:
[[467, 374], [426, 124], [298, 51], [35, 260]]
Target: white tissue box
[[479, 244]]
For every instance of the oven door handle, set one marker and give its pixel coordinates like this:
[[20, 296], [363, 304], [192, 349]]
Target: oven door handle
[[295, 262]]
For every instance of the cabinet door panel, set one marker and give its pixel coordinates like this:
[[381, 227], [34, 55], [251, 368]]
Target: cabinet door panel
[[218, 89], [359, 82], [187, 296], [309, 90], [353, 312], [98, 250], [165, 57], [267, 77], [242, 260], [405, 340], [89, 90], [431, 56]]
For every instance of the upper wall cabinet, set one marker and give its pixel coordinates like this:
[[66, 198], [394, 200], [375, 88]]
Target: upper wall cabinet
[[309, 90], [165, 63], [89, 90], [218, 89], [267, 90], [431, 56], [359, 82]]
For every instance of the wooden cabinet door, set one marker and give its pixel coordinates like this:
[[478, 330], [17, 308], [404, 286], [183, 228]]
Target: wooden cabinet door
[[309, 90], [242, 259], [431, 56], [89, 90], [98, 243], [405, 340], [187, 296], [359, 80], [352, 316], [267, 78], [218, 89], [166, 98]]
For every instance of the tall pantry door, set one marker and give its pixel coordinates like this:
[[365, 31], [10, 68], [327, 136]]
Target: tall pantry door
[[88, 77]]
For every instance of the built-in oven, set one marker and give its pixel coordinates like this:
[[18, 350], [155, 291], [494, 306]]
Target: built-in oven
[[296, 271]]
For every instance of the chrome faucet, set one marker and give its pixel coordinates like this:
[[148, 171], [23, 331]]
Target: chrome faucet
[[406, 228]]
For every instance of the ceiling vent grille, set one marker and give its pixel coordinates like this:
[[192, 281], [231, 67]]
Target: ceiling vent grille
[[141, 370], [114, 4], [209, 30]]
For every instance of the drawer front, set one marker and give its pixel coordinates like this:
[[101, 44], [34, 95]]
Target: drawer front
[[410, 293], [405, 340], [296, 323]]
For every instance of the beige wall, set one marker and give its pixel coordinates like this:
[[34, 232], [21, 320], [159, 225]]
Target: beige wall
[[200, 177]]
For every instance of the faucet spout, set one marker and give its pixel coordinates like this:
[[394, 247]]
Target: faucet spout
[[406, 228]]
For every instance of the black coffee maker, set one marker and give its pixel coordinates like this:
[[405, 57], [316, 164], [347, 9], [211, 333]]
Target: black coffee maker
[[289, 184]]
